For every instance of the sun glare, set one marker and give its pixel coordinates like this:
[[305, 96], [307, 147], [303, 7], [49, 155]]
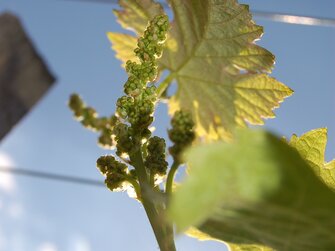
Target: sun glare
[[7, 181]]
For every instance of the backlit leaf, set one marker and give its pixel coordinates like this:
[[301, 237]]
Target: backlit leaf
[[123, 45], [246, 247], [312, 146], [220, 71], [196, 233], [257, 191], [135, 14], [211, 53]]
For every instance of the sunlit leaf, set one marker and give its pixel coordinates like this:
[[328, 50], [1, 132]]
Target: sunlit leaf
[[312, 146], [211, 52], [135, 14], [220, 71], [201, 236], [256, 191], [246, 247], [123, 45]]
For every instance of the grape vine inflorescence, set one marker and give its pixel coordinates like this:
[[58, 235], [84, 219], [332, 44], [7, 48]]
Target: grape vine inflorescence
[[181, 134], [128, 129]]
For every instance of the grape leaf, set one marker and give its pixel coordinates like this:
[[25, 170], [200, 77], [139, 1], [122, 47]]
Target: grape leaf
[[134, 15], [246, 247], [312, 146], [123, 45], [196, 233], [257, 190], [220, 71]]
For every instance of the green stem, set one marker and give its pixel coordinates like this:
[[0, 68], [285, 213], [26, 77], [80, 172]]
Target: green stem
[[165, 240], [164, 84], [136, 186], [152, 179], [170, 178]]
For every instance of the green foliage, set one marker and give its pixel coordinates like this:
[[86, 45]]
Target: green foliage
[[312, 146], [123, 45], [220, 71], [257, 190], [206, 55], [246, 247], [193, 232]]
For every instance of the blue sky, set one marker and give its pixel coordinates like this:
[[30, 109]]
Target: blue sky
[[41, 215]]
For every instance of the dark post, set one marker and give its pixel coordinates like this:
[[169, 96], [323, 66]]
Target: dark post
[[24, 77]]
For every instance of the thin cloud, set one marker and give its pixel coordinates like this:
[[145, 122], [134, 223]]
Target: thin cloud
[[7, 181], [3, 244], [47, 246], [80, 244], [15, 210]]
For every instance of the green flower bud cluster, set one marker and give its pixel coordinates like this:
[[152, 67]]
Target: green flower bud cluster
[[138, 106], [137, 111], [181, 134], [127, 130], [106, 139], [89, 118], [149, 46], [76, 104], [134, 86], [124, 105], [86, 115], [116, 173], [123, 137], [155, 161], [145, 71]]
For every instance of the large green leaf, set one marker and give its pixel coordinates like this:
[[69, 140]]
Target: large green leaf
[[196, 233], [246, 247], [256, 191], [312, 146], [220, 71], [134, 15], [123, 45]]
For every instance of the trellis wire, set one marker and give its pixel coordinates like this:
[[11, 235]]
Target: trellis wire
[[271, 16]]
